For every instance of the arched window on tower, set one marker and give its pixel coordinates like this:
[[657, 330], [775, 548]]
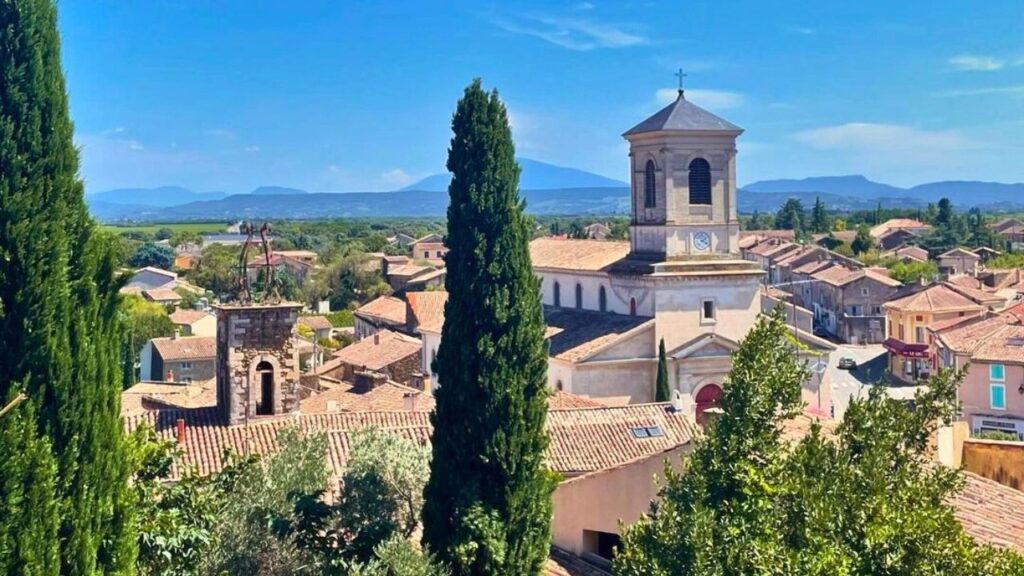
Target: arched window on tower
[[650, 186], [632, 306], [602, 300], [557, 296], [579, 297], [700, 181], [265, 399]]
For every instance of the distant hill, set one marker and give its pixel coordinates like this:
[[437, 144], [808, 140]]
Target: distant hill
[[856, 187], [162, 196], [276, 191], [536, 175]]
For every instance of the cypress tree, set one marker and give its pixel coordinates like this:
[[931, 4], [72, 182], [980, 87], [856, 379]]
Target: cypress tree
[[488, 501], [661, 391], [59, 333]]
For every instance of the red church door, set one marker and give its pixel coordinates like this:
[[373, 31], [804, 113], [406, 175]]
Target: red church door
[[708, 397]]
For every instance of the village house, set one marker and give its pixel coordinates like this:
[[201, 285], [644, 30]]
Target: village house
[[165, 296], [986, 253], [298, 263], [847, 302], [179, 359], [194, 322], [915, 227], [1011, 232], [150, 278], [393, 355], [991, 350], [319, 325], [958, 261], [384, 312], [907, 254], [597, 231], [414, 277], [908, 320]]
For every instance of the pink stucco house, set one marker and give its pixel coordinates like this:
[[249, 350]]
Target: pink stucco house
[[992, 351]]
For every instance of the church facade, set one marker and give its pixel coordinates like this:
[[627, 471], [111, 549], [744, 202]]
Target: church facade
[[679, 280]]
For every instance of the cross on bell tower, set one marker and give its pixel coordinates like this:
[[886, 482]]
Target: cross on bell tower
[[680, 74]]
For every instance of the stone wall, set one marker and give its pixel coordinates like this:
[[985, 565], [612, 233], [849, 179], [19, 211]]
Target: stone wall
[[996, 460], [249, 337]]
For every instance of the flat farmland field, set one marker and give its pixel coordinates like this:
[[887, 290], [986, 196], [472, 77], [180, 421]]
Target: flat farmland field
[[197, 227]]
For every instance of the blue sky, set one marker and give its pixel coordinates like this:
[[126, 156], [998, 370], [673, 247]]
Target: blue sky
[[357, 96]]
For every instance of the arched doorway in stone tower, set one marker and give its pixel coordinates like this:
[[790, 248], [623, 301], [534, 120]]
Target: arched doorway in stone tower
[[707, 397], [265, 379]]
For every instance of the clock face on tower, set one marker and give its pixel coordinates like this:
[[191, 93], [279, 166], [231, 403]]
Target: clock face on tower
[[701, 241]]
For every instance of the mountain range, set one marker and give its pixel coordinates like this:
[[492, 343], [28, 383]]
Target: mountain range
[[547, 189]]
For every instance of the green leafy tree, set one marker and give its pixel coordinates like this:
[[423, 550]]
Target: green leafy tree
[[143, 321], [186, 237], [819, 217], [944, 217], [59, 329], [1007, 261], [217, 270], [661, 389], [152, 254], [791, 216], [913, 272], [864, 501], [488, 501], [863, 241], [164, 233]]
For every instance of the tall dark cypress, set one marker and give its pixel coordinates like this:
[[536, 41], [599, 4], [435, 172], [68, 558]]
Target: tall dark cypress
[[661, 388], [488, 501], [59, 336]]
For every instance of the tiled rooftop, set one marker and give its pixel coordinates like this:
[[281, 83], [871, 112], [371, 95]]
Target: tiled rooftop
[[582, 440], [186, 347], [991, 513], [316, 322], [427, 309], [386, 396], [188, 316], [592, 255], [387, 308], [934, 298], [161, 295], [576, 334], [378, 351]]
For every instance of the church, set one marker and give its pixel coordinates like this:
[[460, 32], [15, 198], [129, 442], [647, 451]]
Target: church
[[679, 280]]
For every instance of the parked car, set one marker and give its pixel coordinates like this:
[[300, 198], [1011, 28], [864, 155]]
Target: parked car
[[847, 363]]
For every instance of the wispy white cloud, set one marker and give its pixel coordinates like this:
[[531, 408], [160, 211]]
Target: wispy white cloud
[[889, 144], [252, 148], [583, 6], [976, 63], [803, 30], [396, 177], [711, 99], [573, 33], [112, 131], [1017, 89]]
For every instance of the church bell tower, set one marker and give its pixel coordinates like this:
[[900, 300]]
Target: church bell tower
[[683, 167]]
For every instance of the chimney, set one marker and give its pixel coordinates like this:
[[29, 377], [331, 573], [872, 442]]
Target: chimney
[[170, 376], [177, 334], [376, 338], [181, 431], [677, 401], [367, 380], [410, 400]]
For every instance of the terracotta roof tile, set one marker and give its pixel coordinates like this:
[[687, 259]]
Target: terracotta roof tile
[[564, 563], [1005, 345], [582, 440], [562, 400], [377, 352], [895, 224], [408, 270], [563, 254], [959, 252], [187, 316], [316, 322], [387, 396], [387, 308], [934, 298], [186, 347], [146, 396], [427, 309], [990, 512], [161, 295], [576, 334]]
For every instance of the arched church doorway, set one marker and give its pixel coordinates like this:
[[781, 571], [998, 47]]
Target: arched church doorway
[[707, 397], [265, 378]]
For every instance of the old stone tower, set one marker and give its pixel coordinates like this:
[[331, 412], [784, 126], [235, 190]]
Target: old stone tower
[[257, 361], [684, 184]]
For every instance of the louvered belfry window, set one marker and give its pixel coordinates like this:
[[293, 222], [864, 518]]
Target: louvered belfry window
[[650, 196], [700, 181]]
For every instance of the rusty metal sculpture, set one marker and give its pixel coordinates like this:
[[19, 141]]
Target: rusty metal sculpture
[[271, 290]]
